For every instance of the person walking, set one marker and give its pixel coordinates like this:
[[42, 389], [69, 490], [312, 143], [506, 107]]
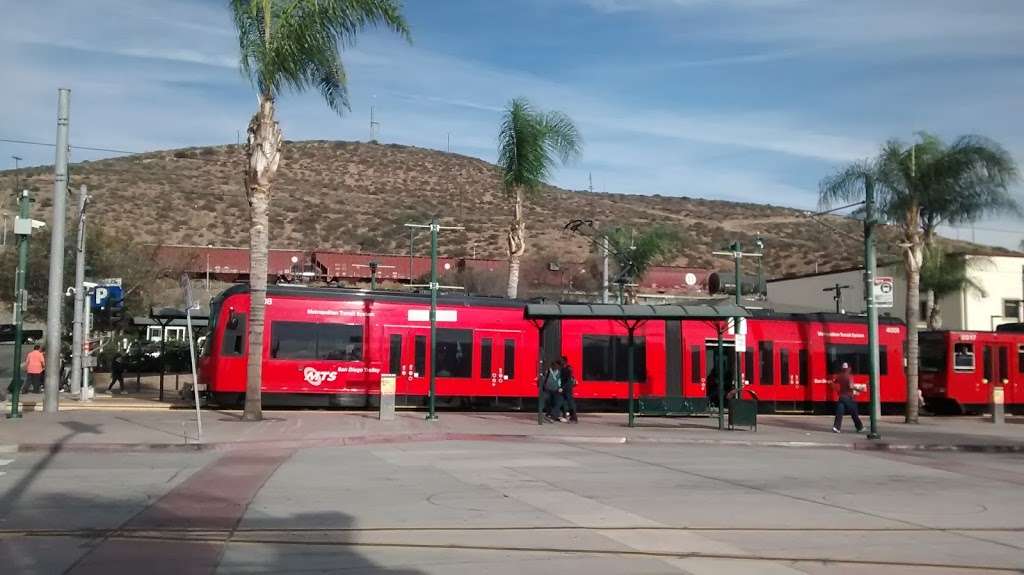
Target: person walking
[[35, 365], [116, 372], [844, 388], [552, 388], [568, 385]]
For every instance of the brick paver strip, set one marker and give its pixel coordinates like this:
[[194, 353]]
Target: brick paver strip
[[214, 498]]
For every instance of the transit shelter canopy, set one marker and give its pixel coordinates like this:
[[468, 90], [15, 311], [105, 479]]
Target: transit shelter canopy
[[633, 312]]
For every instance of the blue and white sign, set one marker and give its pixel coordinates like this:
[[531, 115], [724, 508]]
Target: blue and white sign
[[107, 297]]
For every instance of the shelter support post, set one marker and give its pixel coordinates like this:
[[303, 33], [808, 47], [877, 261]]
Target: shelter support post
[[720, 369]]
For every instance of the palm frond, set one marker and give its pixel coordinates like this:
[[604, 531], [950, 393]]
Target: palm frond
[[846, 185], [295, 44], [528, 143], [944, 273]]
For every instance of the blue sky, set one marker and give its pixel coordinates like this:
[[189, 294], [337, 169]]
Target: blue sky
[[752, 100]]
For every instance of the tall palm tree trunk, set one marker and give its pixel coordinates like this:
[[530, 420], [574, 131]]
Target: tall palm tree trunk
[[516, 244], [264, 151], [912, 260]]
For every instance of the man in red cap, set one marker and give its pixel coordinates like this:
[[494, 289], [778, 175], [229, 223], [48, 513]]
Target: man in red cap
[[844, 388]]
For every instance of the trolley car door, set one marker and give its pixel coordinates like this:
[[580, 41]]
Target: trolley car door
[[408, 358]]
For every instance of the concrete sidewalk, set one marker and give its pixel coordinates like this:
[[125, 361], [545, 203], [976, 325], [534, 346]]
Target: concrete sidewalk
[[111, 429]]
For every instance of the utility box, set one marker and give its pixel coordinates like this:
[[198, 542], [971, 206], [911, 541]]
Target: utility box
[[996, 400], [387, 396]]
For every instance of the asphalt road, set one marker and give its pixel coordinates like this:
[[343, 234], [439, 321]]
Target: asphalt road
[[499, 507]]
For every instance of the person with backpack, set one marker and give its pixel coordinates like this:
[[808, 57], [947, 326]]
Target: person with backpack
[[568, 385], [552, 388]]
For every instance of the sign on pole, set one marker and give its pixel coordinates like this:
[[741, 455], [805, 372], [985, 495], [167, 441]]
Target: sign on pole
[[885, 288]]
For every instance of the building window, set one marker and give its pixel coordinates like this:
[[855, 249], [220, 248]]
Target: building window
[[318, 341], [606, 358], [485, 358], [856, 356], [455, 353], [1011, 308], [765, 354], [963, 356]]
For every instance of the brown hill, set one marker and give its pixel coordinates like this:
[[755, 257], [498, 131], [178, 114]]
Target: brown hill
[[357, 196]]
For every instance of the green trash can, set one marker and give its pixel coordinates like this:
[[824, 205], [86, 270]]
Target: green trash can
[[742, 412]]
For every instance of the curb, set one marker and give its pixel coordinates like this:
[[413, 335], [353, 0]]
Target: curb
[[452, 436]]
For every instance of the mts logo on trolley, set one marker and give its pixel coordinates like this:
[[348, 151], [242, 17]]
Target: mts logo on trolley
[[315, 377]]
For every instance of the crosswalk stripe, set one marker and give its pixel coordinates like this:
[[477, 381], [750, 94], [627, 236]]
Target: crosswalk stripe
[[6, 461]]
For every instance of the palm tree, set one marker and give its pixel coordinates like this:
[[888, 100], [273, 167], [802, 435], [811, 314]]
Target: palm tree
[[289, 44], [964, 182], [920, 186], [634, 253], [528, 143], [943, 274]]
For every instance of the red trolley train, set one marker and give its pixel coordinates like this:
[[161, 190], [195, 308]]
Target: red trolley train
[[959, 368], [338, 342]]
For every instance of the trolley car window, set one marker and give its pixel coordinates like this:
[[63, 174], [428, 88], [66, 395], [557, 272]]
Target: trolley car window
[[1004, 363], [234, 335], [1020, 359], [987, 360], [485, 358], [420, 355], [293, 340], [455, 353], [323, 341], [606, 358], [695, 364], [764, 353], [510, 358], [932, 354], [748, 363], [856, 356], [395, 354], [805, 372], [784, 366], [340, 342], [963, 356]]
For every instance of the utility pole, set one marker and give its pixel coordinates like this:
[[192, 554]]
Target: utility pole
[[434, 286], [872, 309], [737, 254], [838, 297], [604, 251], [76, 325], [22, 230], [55, 300]]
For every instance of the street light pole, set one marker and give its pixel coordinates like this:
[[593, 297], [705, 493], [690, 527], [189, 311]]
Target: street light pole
[[55, 299], [79, 301], [869, 298], [434, 286], [19, 296]]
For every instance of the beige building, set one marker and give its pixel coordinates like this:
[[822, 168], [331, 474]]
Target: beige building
[[1001, 278]]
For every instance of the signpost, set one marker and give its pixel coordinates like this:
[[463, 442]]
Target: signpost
[[885, 287], [190, 305]]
